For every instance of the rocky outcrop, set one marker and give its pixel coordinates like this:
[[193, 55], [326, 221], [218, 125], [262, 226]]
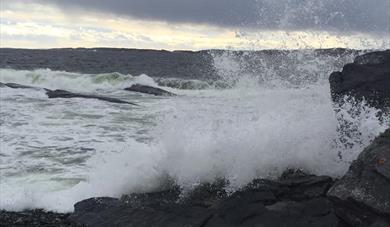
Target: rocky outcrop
[[362, 196], [67, 94], [296, 199], [35, 218], [293, 200], [367, 77], [149, 90]]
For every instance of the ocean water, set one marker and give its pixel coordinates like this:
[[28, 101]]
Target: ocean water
[[244, 125]]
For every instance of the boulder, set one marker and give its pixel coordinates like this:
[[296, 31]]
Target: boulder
[[149, 90], [362, 195], [367, 77]]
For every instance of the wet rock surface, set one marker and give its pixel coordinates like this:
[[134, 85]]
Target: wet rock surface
[[296, 199], [35, 218], [293, 200], [149, 90], [67, 94], [18, 86], [362, 196], [367, 77]]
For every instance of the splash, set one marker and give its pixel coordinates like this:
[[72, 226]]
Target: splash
[[55, 153]]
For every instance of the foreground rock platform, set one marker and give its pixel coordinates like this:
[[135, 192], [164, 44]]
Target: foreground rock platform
[[35, 218], [296, 199]]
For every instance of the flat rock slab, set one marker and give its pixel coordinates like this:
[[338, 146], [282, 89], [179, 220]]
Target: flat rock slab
[[67, 94]]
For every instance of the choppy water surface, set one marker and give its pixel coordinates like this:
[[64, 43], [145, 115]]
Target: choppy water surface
[[55, 152]]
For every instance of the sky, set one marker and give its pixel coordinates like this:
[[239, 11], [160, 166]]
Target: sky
[[195, 24]]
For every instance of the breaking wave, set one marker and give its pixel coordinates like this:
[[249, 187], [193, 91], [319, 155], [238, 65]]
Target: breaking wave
[[258, 125]]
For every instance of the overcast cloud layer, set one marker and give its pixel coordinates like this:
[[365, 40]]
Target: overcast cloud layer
[[369, 16]]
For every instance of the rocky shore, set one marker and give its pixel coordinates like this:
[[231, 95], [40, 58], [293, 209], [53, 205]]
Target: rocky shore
[[360, 198], [368, 78]]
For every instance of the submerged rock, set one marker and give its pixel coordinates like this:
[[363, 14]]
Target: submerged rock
[[67, 94], [149, 90], [362, 196], [367, 77], [17, 86]]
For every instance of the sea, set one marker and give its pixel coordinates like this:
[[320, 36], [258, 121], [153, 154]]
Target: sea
[[258, 115]]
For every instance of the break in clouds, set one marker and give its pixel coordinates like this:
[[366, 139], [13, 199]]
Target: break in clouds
[[341, 16]]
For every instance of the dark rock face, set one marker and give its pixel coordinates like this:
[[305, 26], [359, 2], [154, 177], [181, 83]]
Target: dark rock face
[[261, 203], [367, 77], [362, 196], [149, 90], [66, 94], [35, 218]]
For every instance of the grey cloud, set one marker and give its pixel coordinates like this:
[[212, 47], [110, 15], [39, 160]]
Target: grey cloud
[[371, 16]]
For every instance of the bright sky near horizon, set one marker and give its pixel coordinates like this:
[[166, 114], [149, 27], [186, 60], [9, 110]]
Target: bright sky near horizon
[[195, 25]]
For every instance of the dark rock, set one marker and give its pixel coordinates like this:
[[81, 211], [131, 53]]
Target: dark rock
[[368, 77], [17, 86], [35, 218], [67, 94], [207, 194], [373, 58], [316, 212], [153, 199], [362, 196], [261, 203], [149, 90], [294, 185], [108, 212]]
